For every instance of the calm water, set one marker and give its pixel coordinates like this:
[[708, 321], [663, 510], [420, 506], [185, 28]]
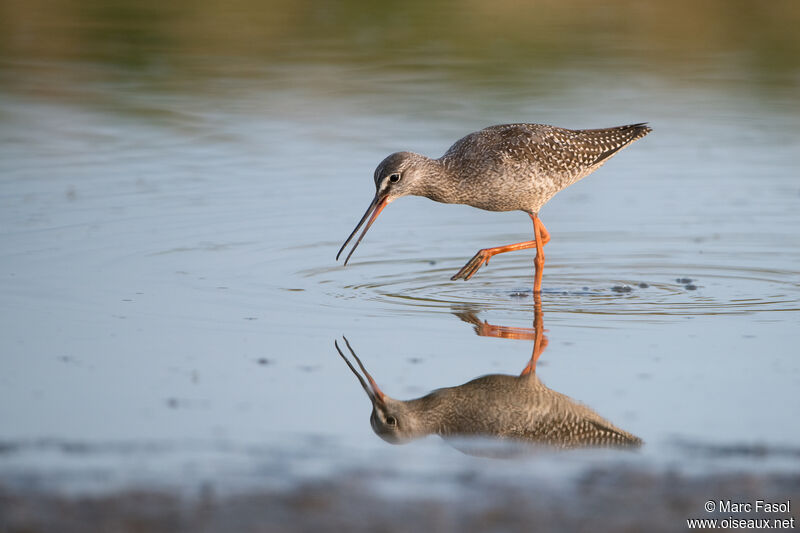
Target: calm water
[[172, 198]]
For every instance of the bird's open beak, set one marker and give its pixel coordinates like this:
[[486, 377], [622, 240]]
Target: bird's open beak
[[374, 209], [375, 394]]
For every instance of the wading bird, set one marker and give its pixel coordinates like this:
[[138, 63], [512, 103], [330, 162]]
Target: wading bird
[[500, 168]]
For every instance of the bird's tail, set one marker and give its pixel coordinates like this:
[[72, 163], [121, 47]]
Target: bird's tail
[[615, 139]]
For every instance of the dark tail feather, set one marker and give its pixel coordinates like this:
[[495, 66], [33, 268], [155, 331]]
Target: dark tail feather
[[620, 136]]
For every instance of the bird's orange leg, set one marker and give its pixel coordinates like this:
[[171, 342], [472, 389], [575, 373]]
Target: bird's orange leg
[[482, 257], [540, 340], [536, 333], [542, 237]]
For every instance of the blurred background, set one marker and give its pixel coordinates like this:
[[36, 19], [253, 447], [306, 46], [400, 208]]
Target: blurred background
[[176, 178]]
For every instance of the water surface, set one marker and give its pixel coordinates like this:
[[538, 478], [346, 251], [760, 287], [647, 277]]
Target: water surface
[[172, 199]]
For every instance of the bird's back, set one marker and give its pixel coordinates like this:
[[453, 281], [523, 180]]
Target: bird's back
[[521, 166], [524, 408]]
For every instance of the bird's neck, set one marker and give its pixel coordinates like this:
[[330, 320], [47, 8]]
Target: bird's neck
[[439, 185], [432, 412]]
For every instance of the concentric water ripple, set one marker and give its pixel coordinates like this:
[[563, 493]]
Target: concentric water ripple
[[635, 288]]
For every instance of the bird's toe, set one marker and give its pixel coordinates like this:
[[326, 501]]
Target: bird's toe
[[472, 266]]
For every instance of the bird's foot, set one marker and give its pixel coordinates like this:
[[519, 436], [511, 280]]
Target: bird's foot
[[478, 260]]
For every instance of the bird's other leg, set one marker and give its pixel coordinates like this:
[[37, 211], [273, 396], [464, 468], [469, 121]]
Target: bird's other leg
[[484, 329], [542, 237], [482, 257]]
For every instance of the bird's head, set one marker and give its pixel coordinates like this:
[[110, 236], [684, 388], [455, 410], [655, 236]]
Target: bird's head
[[392, 420], [400, 174]]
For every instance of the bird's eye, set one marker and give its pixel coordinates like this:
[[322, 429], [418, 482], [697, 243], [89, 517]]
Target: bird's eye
[[394, 178], [391, 421]]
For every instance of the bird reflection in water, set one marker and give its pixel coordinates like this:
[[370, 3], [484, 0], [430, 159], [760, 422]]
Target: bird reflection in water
[[500, 406]]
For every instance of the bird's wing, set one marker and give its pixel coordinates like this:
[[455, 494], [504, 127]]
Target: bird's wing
[[549, 149], [563, 422]]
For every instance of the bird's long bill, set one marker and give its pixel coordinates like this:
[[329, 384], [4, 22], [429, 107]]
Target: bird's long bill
[[372, 212], [373, 391]]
